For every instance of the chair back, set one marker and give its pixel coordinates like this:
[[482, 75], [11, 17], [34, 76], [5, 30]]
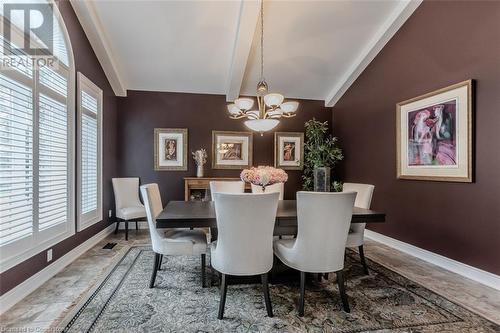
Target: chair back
[[226, 186], [323, 224], [152, 202], [126, 192], [364, 194], [245, 225], [275, 188]]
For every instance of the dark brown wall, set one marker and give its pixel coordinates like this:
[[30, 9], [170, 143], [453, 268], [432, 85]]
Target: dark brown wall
[[87, 63], [441, 44], [140, 112]]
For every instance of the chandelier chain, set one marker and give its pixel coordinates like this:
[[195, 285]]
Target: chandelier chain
[[262, 40]]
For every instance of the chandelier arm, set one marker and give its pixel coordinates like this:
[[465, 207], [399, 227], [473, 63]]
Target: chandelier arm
[[288, 115], [240, 116]]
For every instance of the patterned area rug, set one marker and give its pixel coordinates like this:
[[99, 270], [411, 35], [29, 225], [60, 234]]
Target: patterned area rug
[[384, 300]]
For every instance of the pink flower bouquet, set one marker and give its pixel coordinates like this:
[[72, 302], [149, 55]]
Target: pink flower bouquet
[[263, 176]]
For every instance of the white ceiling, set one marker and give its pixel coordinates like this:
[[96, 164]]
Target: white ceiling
[[312, 48]]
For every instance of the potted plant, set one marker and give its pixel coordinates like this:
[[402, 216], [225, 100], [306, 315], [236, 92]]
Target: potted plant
[[321, 153]]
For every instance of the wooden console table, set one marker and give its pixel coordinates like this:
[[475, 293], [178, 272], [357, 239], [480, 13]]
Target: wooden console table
[[203, 184]]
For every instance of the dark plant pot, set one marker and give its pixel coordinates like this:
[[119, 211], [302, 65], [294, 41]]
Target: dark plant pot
[[322, 179]]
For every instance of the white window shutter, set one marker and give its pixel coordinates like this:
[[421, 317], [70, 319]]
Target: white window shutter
[[89, 154]]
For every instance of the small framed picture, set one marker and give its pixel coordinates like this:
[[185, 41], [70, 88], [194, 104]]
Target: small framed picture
[[434, 135], [231, 150], [171, 149], [289, 150]]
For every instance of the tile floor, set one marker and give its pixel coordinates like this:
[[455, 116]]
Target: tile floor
[[43, 309]]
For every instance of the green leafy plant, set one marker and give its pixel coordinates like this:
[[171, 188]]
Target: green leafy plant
[[320, 150]]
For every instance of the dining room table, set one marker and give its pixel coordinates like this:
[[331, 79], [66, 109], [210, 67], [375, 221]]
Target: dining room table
[[201, 214]]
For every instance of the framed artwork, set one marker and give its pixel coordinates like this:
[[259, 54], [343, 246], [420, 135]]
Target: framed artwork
[[289, 150], [232, 150], [434, 135], [171, 149]]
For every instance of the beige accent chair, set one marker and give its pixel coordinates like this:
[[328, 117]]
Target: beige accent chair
[[128, 206]]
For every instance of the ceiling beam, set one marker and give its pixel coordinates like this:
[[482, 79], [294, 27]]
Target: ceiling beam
[[89, 19], [247, 22], [398, 17]]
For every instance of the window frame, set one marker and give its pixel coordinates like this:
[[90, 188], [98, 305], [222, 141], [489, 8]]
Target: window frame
[[23, 249], [84, 84]]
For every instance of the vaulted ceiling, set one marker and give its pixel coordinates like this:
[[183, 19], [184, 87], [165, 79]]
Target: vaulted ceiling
[[313, 49]]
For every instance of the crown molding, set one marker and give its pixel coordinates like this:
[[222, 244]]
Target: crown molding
[[91, 24], [398, 17]]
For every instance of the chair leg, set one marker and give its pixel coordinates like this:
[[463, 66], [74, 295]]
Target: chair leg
[[343, 295], [155, 269], [126, 230], [136, 225], [159, 264], [267, 298], [302, 293], [203, 270], [223, 292], [363, 261], [117, 225]]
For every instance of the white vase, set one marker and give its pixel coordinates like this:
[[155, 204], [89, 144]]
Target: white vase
[[199, 171]]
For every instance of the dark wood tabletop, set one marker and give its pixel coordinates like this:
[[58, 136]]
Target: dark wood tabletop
[[198, 214]]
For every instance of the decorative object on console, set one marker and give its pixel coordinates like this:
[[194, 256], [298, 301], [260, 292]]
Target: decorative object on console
[[434, 135], [289, 150], [321, 153], [200, 157], [231, 150], [171, 149], [264, 176], [271, 106]]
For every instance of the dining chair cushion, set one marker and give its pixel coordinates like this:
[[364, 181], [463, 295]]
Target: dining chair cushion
[[184, 242], [245, 225], [323, 223], [278, 187], [129, 213]]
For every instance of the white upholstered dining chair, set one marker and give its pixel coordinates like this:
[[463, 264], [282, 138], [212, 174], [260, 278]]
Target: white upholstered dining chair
[[245, 224], [278, 188], [323, 223], [171, 242], [226, 186], [128, 206], [356, 238]]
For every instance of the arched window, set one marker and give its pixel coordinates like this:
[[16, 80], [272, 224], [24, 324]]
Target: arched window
[[37, 131]]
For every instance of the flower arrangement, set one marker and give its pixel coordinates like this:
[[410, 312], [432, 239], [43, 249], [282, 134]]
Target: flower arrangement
[[264, 175], [200, 157]]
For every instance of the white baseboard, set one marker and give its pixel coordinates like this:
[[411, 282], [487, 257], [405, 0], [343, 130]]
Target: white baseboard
[[473, 273], [25, 288]]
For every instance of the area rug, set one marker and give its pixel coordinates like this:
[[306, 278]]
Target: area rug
[[383, 300]]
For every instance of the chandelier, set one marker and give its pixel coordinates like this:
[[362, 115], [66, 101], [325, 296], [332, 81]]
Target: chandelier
[[271, 106]]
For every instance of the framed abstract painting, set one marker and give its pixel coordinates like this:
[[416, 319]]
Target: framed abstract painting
[[231, 150], [171, 149], [289, 150], [434, 135]]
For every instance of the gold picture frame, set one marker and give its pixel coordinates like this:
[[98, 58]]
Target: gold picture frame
[[171, 149], [289, 159], [232, 150], [434, 135]]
